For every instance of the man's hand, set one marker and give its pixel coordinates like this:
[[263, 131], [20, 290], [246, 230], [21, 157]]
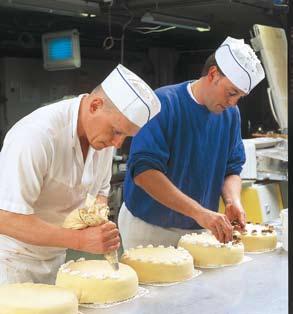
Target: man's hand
[[236, 215], [219, 224], [101, 239]]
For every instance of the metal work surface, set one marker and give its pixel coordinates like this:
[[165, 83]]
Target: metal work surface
[[259, 286]]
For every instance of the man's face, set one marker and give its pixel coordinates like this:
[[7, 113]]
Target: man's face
[[108, 127], [221, 93]]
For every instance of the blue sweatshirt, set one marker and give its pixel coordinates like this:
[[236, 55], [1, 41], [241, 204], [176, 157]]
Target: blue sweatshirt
[[195, 148]]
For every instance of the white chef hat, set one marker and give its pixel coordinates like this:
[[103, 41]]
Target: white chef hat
[[240, 64], [131, 95]]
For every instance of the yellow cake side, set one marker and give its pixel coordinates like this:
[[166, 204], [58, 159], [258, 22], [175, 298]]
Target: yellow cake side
[[207, 251], [213, 256], [95, 281], [259, 238], [30, 298], [159, 264]]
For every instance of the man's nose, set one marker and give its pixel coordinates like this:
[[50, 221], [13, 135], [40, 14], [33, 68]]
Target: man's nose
[[233, 101], [118, 140]]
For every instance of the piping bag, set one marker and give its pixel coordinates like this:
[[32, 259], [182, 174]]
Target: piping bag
[[92, 214]]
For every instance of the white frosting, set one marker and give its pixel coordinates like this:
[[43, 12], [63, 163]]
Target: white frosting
[[257, 229], [65, 268], [205, 239], [159, 254]]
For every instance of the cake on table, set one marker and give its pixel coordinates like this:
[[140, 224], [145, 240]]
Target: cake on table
[[207, 251], [159, 264], [258, 238], [30, 298], [94, 281]]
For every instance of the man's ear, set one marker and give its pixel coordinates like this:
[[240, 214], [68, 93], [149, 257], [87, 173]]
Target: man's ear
[[96, 104], [212, 72]]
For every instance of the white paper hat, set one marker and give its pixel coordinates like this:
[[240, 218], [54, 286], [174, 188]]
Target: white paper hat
[[131, 95], [240, 64]]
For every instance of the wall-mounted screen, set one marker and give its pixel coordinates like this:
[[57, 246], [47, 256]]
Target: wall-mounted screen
[[61, 50]]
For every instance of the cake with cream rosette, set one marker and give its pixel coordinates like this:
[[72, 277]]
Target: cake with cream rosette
[[207, 251], [159, 264], [258, 238], [95, 281]]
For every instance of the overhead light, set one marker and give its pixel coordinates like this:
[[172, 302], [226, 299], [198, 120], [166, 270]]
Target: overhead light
[[61, 7], [88, 15], [203, 29], [180, 22]]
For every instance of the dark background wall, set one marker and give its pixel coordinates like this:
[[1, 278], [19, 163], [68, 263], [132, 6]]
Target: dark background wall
[[164, 57]]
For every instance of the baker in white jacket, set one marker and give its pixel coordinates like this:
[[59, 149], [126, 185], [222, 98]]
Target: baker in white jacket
[[50, 160]]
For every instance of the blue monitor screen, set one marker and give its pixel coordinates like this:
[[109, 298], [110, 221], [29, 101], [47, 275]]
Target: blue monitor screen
[[60, 49]]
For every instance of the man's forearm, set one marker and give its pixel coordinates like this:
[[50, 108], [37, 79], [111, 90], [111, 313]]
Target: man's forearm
[[156, 184], [102, 199], [231, 191], [33, 230]]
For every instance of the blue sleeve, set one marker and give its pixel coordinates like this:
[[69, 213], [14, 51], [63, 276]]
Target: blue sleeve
[[237, 152], [150, 148]]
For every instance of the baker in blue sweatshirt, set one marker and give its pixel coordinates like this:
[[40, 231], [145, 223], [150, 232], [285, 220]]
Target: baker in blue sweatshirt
[[191, 153]]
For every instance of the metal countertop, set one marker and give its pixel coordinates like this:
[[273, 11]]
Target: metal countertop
[[259, 286]]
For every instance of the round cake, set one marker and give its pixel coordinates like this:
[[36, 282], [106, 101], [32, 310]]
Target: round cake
[[258, 238], [94, 281], [207, 251], [159, 264], [30, 298]]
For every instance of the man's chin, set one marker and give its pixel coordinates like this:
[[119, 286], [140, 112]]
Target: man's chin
[[219, 109], [99, 146]]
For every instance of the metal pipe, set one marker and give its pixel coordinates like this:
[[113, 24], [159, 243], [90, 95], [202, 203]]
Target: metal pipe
[[167, 4]]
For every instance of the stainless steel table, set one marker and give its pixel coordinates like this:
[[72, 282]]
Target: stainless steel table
[[259, 286]]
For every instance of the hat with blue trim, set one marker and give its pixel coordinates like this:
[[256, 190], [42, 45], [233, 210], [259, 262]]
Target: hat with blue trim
[[131, 95], [240, 64]]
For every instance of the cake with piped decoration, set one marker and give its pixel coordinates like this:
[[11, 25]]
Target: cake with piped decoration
[[207, 251], [159, 264], [258, 238], [94, 281]]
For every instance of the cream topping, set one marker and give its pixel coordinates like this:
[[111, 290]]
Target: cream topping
[[259, 230], [70, 266], [206, 239], [158, 255]]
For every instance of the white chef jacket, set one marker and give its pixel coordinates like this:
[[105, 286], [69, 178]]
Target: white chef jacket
[[135, 231], [43, 172]]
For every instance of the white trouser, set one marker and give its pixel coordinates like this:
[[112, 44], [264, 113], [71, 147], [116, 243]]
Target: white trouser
[[18, 268], [135, 231]]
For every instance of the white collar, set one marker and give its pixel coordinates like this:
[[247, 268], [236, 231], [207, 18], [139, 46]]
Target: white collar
[[75, 109], [190, 92]]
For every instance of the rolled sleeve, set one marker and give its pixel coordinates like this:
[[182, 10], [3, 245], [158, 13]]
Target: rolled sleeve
[[143, 162], [24, 163]]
